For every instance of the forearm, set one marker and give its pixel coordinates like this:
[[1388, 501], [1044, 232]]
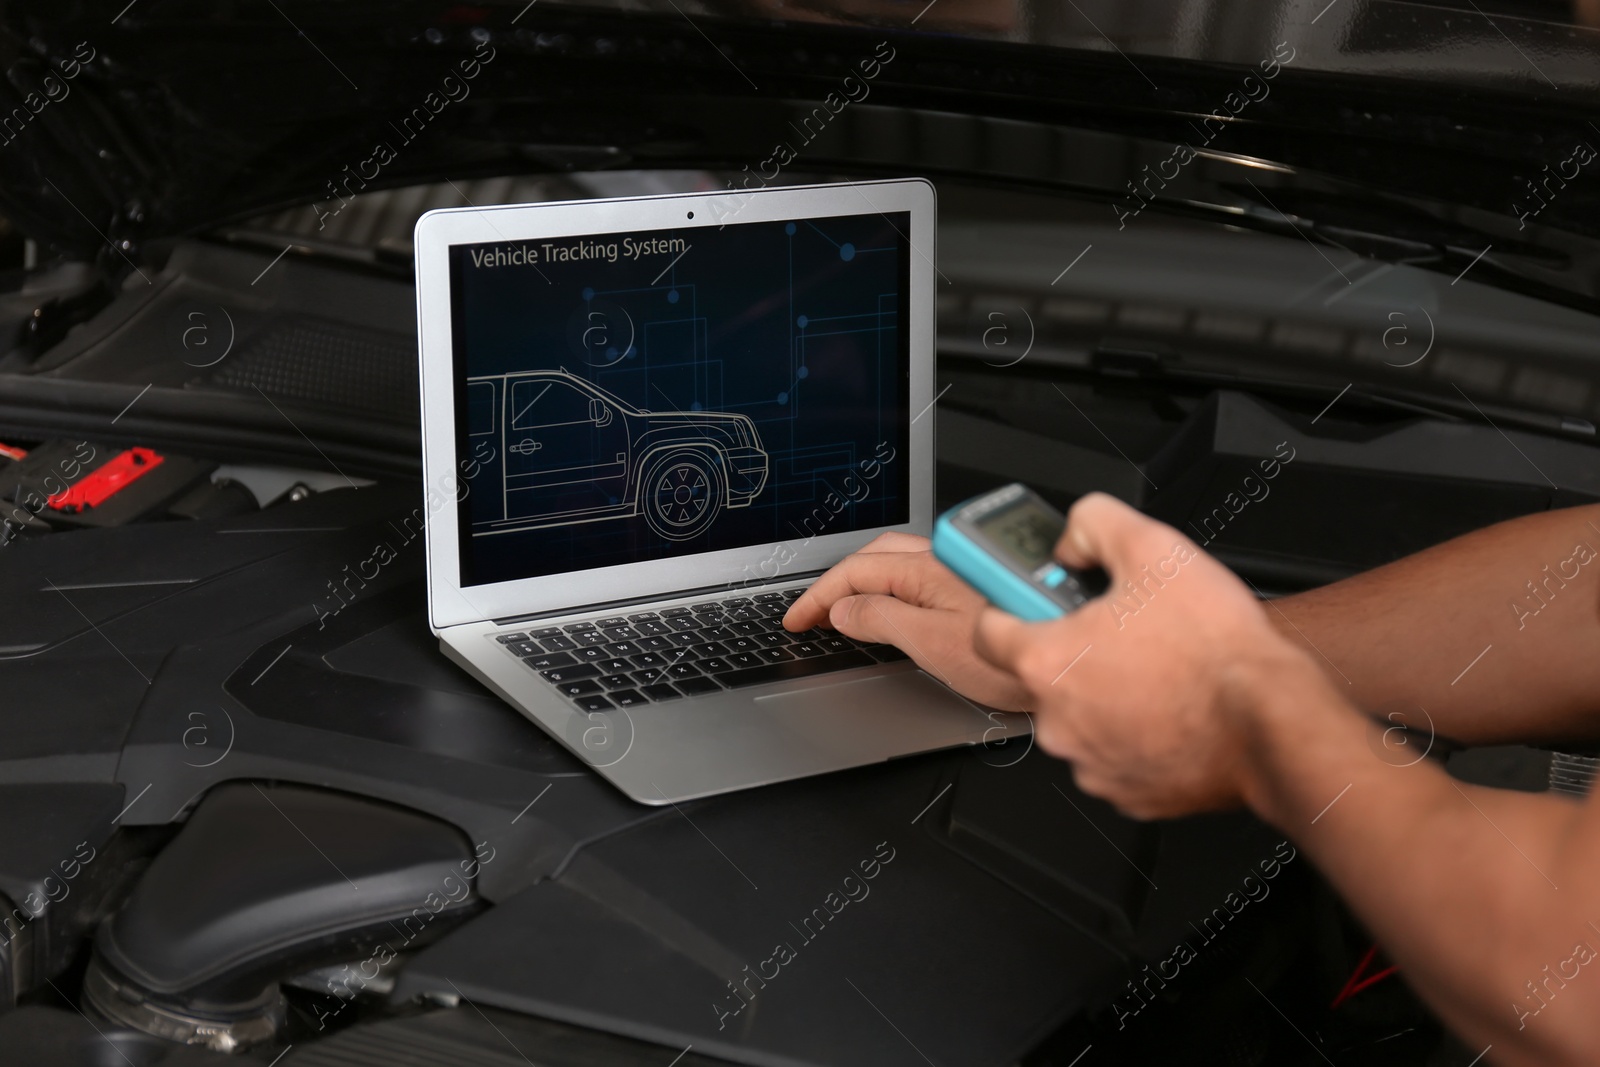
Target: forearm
[[1459, 884], [1493, 633]]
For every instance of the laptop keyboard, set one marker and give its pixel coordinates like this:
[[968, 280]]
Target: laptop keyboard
[[655, 656]]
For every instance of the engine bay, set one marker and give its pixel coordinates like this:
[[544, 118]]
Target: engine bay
[[241, 823]]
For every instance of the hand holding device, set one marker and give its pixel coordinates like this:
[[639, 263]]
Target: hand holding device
[[1002, 544], [1160, 700]]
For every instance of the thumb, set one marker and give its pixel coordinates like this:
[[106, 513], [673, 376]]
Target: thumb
[[1000, 638], [1103, 530]]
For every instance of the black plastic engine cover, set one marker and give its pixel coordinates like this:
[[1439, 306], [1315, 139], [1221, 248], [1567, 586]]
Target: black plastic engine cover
[[250, 889], [741, 927], [177, 658]]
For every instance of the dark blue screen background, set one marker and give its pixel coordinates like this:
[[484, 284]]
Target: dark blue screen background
[[798, 325]]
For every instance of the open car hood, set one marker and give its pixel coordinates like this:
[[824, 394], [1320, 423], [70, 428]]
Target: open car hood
[[171, 119]]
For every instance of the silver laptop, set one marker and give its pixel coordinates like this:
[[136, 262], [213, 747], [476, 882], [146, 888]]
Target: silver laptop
[[647, 425]]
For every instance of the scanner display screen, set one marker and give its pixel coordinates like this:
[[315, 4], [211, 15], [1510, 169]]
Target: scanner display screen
[[1025, 532]]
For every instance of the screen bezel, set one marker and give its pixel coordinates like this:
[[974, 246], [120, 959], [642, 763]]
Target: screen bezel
[[449, 603]]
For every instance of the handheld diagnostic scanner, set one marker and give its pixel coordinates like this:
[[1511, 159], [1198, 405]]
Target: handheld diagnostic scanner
[[1001, 544]]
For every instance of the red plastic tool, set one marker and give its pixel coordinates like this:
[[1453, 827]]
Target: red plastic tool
[[107, 480]]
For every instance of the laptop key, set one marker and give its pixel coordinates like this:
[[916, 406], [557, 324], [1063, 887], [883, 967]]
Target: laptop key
[[774, 638], [776, 655], [684, 640], [792, 595], [696, 686], [558, 675], [796, 668], [593, 654], [546, 661], [654, 644], [661, 691], [622, 648], [617, 681], [649, 659], [594, 703], [649, 676], [644, 616], [806, 649], [677, 658], [715, 665], [540, 635], [768, 597], [683, 624], [511, 639], [526, 648], [579, 689], [716, 633], [653, 629], [615, 665], [745, 659], [674, 613], [589, 637], [835, 644], [708, 648], [628, 698], [557, 644], [683, 670], [620, 633], [885, 653], [742, 644], [748, 626]]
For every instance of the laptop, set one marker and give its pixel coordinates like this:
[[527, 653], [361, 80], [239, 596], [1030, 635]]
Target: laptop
[[648, 424]]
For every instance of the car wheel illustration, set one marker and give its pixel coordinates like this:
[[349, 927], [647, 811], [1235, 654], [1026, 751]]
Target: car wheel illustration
[[682, 495]]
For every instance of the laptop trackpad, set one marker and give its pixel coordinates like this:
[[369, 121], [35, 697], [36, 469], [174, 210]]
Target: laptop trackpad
[[900, 712]]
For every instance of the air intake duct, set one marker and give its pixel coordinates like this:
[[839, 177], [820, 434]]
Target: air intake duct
[[264, 882]]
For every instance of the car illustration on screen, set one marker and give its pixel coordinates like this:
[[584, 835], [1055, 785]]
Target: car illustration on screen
[[567, 451]]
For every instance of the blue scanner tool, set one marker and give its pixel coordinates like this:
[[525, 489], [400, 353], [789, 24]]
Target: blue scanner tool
[[1002, 544]]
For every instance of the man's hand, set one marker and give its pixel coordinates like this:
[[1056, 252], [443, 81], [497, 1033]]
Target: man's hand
[[1150, 690], [894, 591], [1173, 693]]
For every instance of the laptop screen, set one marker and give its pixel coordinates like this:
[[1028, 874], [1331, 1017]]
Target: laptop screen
[[631, 396]]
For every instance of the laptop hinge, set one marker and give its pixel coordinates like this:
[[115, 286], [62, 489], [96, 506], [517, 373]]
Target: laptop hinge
[[656, 598]]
